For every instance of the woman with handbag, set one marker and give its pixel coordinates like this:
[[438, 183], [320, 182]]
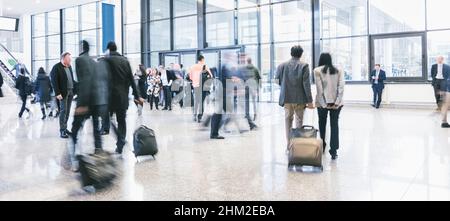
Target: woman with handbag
[[330, 84]]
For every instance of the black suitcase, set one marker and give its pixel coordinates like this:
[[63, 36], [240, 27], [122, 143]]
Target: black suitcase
[[144, 142], [98, 170]]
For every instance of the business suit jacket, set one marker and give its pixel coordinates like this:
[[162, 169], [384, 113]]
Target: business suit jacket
[[381, 78], [294, 79], [59, 80], [445, 72], [85, 67], [101, 83], [121, 80]]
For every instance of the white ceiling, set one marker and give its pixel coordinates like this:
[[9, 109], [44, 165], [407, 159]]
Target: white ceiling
[[16, 8]]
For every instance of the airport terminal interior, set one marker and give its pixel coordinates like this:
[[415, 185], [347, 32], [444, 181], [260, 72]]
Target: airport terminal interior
[[394, 148]]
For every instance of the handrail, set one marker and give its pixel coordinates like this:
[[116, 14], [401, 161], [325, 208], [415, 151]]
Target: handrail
[[15, 60]]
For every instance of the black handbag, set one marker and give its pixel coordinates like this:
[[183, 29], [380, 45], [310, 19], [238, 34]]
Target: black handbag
[[304, 132]]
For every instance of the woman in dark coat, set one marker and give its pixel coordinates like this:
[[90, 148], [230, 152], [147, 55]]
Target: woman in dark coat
[[21, 85], [43, 90]]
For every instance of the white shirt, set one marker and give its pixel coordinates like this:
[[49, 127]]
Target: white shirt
[[377, 75], [164, 80], [440, 74]]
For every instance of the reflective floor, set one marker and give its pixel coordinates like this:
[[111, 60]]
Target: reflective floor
[[385, 154]]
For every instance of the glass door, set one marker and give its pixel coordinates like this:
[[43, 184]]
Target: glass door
[[403, 57]]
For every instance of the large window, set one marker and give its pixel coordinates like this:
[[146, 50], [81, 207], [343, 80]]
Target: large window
[[160, 35], [399, 57], [438, 14], [387, 16], [343, 18], [45, 40], [350, 55], [132, 29], [185, 34], [220, 29], [82, 23], [248, 26], [78, 23], [184, 7], [159, 9], [292, 21], [219, 5]]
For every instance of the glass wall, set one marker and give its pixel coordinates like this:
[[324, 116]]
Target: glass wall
[[267, 29], [46, 43], [132, 32], [78, 23]]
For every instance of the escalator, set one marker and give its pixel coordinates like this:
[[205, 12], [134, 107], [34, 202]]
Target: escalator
[[7, 64]]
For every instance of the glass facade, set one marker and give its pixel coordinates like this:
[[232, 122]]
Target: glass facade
[[45, 40], [78, 23], [359, 33], [132, 32]]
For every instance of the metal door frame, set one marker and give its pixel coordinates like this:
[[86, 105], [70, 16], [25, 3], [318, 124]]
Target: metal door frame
[[424, 56]]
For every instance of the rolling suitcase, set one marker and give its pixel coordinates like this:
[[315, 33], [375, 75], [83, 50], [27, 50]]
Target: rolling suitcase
[[305, 152], [98, 170], [305, 149], [144, 142]]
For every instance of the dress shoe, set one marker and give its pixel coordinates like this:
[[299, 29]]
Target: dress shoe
[[64, 135], [253, 127], [217, 138], [51, 114], [334, 157], [445, 125]]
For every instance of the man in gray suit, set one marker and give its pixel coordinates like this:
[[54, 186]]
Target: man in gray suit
[[295, 94]]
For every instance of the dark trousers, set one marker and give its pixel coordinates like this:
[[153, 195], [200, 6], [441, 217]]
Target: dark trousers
[[216, 123], [167, 97], [334, 123], [439, 90], [179, 92], [247, 108], [66, 104], [377, 95], [121, 129], [152, 99], [24, 105], [96, 112]]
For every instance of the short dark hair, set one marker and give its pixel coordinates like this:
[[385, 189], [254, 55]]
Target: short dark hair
[[379, 65], [297, 51], [85, 46], [200, 58], [112, 46], [41, 70]]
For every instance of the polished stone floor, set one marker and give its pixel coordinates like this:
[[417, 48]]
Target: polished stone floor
[[386, 154]]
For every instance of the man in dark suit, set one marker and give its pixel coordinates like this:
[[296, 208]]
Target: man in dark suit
[[377, 78], [439, 73], [92, 96], [121, 78], [64, 86], [167, 78]]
